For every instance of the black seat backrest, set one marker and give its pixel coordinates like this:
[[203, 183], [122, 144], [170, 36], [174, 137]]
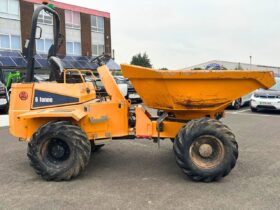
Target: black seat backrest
[[57, 69]]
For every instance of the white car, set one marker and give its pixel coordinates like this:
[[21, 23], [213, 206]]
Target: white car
[[4, 99], [267, 99], [127, 89]]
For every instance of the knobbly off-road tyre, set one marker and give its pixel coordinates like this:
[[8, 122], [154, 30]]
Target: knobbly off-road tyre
[[205, 150], [59, 151]]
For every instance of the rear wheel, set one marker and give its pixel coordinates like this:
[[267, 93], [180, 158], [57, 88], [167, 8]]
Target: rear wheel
[[59, 151], [237, 104], [205, 150]]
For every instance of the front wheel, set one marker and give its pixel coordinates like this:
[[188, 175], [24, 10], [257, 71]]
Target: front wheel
[[59, 151], [6, 109], [254, 109], [205, 150]]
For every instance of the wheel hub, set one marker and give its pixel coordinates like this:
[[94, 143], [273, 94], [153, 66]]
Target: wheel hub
[[57, 151], [205, 150]]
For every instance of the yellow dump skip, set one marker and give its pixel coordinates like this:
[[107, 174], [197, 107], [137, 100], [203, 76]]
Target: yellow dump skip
[[203, 91]]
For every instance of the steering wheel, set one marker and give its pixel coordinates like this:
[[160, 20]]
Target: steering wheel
[[101, 59]]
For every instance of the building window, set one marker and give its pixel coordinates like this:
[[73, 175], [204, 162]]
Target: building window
[[97, 24], [97, 49], [10, 42], [73, 33], [9, 9], [72, 19], [73, 48], [43, 45], [44, 17], [97, 35], [98, 43]]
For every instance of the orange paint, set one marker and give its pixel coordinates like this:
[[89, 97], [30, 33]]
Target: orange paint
[[186, 94]]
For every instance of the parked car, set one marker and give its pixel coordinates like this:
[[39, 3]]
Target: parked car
[[122, 84], [245, 100], [267, 99], [4, 98], [100, 89], [127, 89]]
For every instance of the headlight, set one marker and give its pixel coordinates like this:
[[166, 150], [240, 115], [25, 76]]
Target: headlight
[[256, 95]]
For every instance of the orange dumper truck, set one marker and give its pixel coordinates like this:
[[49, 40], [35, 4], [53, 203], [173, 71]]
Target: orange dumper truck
[[63, 120]]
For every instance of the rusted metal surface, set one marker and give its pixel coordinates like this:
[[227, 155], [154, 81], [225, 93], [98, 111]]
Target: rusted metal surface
[[205, 150], [201, 104]]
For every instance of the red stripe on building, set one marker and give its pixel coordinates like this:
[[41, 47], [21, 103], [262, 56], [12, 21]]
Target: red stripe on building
[[74, 8]]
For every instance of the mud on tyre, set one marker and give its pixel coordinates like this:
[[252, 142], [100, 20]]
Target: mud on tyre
[[205, 150], [59, 151]]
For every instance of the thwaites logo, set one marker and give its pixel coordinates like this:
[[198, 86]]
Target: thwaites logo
[[23, 95], [44, 98]]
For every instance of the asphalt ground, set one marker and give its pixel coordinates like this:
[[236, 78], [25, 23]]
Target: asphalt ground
[[138, 175]]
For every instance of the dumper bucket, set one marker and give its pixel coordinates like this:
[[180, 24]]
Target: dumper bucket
[[190, 91]]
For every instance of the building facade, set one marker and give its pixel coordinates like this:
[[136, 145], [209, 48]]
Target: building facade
[[218, 64], [87, 32]]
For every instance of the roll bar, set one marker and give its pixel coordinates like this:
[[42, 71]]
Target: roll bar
[[31, 44]]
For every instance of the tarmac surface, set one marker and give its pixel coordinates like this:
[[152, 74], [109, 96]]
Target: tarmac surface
[[138, 175]]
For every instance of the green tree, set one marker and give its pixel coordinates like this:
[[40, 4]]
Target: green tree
[[197, 68], [141, 60]]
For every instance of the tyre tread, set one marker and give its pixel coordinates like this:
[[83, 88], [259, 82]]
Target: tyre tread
[[79, 143], [190, 132]]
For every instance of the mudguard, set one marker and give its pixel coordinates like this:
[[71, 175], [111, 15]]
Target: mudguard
[[76, 114]]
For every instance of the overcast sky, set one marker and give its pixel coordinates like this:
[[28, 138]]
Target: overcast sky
[[180, 33]]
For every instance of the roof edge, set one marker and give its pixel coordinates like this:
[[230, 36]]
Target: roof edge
[[74, 8], [217, 61]]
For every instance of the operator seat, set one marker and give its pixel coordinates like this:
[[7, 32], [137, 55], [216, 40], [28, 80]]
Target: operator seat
[[57, 69]]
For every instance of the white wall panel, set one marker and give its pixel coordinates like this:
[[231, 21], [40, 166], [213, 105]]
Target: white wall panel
[[9, 26]]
